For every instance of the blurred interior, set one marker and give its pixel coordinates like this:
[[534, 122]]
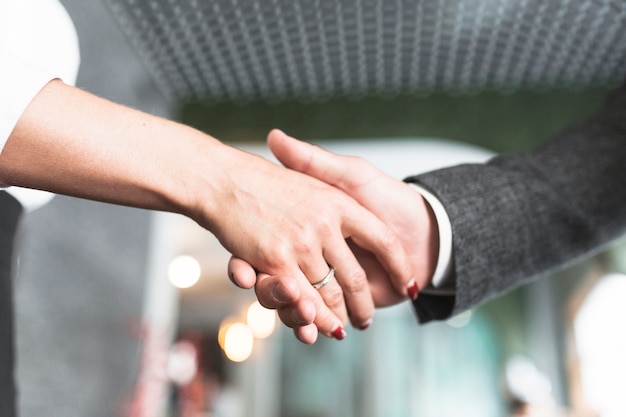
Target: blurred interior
[[128, 312]]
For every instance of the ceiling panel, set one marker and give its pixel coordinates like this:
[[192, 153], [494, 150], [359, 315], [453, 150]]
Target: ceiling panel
[[273, 50]]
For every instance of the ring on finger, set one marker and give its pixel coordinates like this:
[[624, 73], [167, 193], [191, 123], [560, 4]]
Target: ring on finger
[[325, 280]]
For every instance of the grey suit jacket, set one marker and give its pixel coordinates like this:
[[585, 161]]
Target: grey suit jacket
[[523, 214]]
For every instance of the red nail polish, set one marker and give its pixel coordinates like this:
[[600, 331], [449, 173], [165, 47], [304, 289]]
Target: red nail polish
[[412, 290], [339, 333]]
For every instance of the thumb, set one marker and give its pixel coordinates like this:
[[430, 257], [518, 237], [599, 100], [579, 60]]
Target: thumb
[[309, 159]]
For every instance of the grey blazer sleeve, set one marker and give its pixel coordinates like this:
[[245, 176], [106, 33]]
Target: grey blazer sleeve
[[523, 214]]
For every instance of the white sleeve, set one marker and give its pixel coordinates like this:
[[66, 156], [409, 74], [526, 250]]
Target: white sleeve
[[38, 43], [443, 278], [20, 81]]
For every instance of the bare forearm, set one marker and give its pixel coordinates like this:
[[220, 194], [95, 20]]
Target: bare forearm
[[71, 142]]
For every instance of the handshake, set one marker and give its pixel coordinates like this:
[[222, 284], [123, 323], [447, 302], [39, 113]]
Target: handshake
[[328, 238], [324, 240], [369, 241]]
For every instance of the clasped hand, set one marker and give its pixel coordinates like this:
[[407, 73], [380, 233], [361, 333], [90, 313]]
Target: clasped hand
[[403, 211]]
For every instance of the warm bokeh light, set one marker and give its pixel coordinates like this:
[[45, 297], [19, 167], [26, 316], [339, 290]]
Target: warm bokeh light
[[238, 342], [182, 363], [184, 271], [261, 320], [224, 325]]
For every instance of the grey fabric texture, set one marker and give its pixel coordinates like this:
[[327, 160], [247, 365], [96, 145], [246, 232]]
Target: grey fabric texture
[[525, 214], [10, 211]]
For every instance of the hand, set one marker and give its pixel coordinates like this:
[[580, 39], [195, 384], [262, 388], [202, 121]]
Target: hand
[[288, 224], [298, 312], [394, 202]]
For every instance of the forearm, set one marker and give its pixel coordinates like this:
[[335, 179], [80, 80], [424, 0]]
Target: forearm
[[71, 142], [280, 221]]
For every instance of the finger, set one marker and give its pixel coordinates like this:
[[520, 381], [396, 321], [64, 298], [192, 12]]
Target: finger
[[298, 314], [318, 272], [309, 159], [382, 292], [326, 321], [372, 235], [299, 304], [340, 172], [330, 306], [306, 334], [353, 281], [275, 292], [241, 273], [284, 295], [301, 315]]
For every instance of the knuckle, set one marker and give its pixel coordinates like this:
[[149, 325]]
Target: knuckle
[[358, 162], [276, 256], [319, 230], [325, 220], [356, 282], [333, 297], [307, 245]]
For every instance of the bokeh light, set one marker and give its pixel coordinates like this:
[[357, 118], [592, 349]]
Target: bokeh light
[[182, 363], [184, 271], [261, 320], [238, 342], [224, 325], [600, 344]]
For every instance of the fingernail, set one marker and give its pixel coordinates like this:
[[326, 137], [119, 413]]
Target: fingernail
[[366, 324], [339, 333], [412, 290], [231, 277]]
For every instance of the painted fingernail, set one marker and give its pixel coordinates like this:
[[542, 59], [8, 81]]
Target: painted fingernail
[[366, 324], [412, 290], [339, 333]]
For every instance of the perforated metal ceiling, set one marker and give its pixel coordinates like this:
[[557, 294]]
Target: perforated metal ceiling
[[240, 50]]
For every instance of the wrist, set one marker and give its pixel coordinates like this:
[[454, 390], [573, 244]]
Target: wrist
[[442, 279], [199, 176]]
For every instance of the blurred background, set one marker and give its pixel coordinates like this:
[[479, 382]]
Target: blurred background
[[128, 312]]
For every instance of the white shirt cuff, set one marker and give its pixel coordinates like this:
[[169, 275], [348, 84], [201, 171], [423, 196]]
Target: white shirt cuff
[[443, 279], [20, 82]]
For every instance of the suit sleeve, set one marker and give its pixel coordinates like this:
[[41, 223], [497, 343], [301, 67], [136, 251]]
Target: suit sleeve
[[525, 214]]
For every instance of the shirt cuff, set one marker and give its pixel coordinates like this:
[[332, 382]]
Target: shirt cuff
[[20, 82], [443, 279]]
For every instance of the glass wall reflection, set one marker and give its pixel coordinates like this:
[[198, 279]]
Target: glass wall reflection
[[395, 368]]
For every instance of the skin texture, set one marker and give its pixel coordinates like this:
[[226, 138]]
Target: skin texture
[[286, 223], [399, 206]]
